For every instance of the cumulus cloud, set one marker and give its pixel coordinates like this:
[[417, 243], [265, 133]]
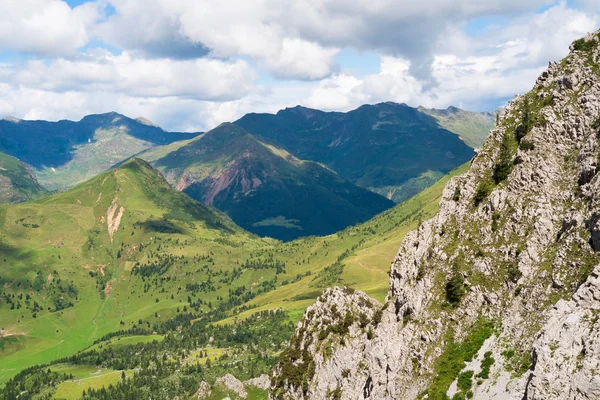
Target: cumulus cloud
[[298, 39], [189, 65], [45, 27], [204, 79], [499, 64], [184, 29]]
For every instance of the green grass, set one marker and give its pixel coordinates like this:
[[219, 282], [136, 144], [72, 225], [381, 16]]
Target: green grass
[[472, 127], [86, 378], [454, 357], [65, 238], [125, 341]]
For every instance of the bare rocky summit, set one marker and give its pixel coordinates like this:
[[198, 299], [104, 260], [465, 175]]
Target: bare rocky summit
[[498, 295]]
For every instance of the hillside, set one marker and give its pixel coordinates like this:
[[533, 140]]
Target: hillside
[[497, 296], [264, 189], [227, 274], [472, 127], [77, 263], [391, 149], [66, 153], [17, 182]]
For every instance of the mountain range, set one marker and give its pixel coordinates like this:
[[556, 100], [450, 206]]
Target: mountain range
[[297, 173], [127, 252], [265, 189], [125, 287], [391, 149], [65, 153]]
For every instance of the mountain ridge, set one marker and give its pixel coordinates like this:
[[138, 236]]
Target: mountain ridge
[[65, 153], [17, 181], [391, 149]]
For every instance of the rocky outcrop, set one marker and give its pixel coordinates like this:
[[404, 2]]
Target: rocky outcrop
[[567, 353], [496, 297], [203, 391], [262, 382], [230, 382]]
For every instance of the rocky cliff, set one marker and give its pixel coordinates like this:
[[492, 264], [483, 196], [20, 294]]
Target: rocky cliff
[[496, 297]]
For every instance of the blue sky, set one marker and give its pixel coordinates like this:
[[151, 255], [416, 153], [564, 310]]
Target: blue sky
[[191, 64]]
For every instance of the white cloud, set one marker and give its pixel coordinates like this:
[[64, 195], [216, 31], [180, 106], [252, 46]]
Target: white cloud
[[293, 39], [181, 28], [498, 65], [203, 78], [46, 27], [189, 65]]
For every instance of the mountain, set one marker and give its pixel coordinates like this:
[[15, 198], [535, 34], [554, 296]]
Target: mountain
[[497, 296], [66, 153], [17, 181], [121, 262], [79, 264], [265, 189], [472, 127], [181, 262], [391, 149]]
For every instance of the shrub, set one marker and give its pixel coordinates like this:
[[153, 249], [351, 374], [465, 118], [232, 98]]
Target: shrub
[[465, 380], [584, 45], [483, 190], [456, 195], [504, 163], [377, 317], [455, 289], [486, 364]]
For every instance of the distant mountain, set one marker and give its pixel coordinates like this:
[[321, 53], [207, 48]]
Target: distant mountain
[[472, 127], [263, 188], [66, 153], [391, 149], [17, 181]]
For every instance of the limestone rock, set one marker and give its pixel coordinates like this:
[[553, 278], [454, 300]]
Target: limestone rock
[[262, 382], [230, 382], [203, 391]]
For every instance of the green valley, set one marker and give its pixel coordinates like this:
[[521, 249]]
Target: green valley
[[126, 253]]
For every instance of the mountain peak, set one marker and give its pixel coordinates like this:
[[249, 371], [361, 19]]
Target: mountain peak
[[302, 111]]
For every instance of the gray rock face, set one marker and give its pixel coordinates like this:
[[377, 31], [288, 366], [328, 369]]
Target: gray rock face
[[523, 237], [203, 391], [567, 354], [262, 382], [230, 382]]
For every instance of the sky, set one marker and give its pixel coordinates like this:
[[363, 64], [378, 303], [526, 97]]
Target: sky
[[188, 65]]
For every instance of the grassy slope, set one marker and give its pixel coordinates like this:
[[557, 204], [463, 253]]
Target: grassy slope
[[66, 236], [372, 245], [71, 241], [472, 127], [17, 183]]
